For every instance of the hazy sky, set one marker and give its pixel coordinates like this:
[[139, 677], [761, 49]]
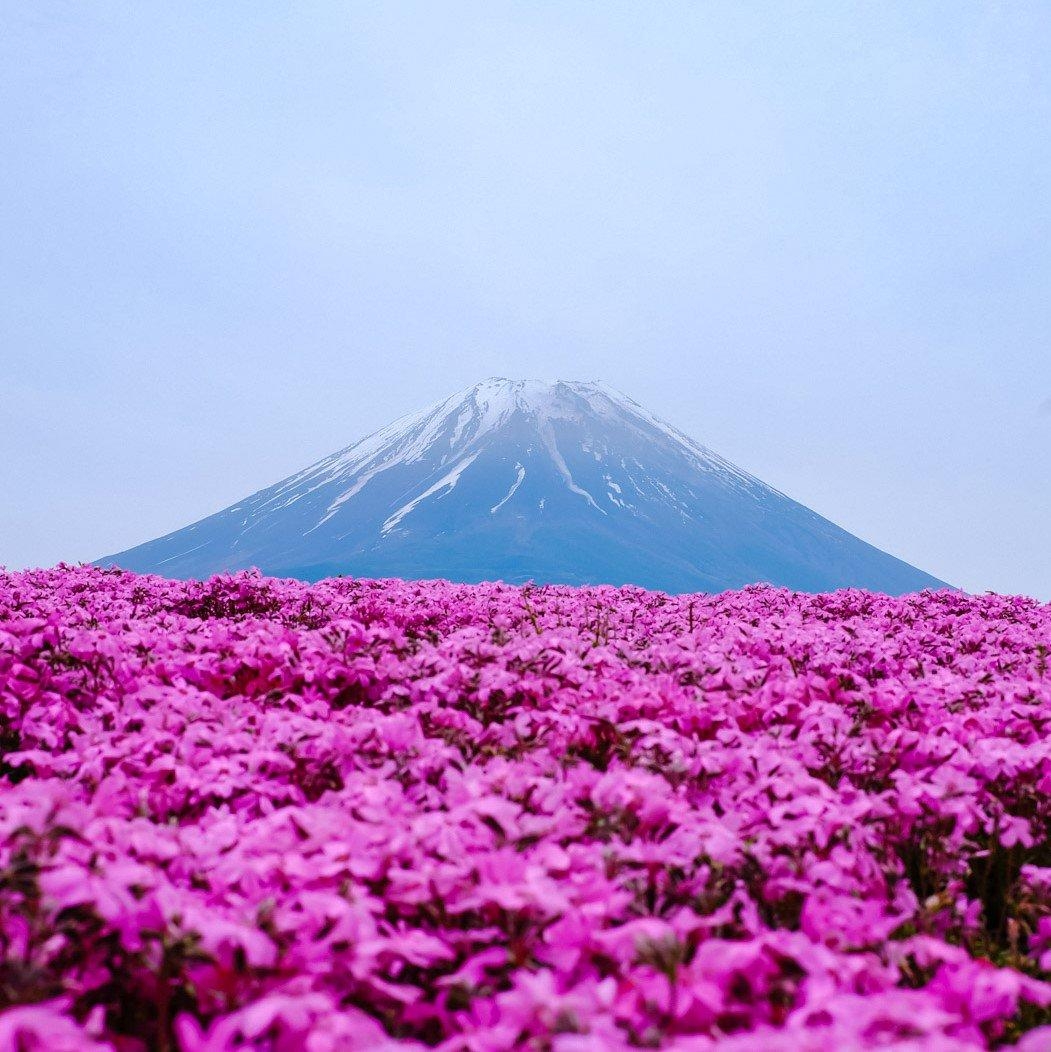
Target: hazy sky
[[237, 236]]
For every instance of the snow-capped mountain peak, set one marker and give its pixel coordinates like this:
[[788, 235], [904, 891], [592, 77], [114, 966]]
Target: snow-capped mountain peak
[[525, 479]]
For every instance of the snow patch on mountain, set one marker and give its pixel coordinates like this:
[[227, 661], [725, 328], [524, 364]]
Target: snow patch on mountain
[[560, 463], [521, 474], [447, 482]]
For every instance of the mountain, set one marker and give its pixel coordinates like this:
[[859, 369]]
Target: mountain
[[520, 480]]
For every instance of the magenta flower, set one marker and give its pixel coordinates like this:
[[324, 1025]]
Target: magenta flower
[[257, 814]]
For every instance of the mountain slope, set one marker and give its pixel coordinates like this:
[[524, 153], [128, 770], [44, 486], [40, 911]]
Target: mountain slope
[[520, 480]]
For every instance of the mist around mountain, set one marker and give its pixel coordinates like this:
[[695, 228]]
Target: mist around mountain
[[521, 481]]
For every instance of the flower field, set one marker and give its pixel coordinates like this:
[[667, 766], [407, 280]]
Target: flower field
[[259, 814]]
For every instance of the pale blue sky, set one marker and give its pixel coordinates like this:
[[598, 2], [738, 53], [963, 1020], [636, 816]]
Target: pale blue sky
[[238, 235]]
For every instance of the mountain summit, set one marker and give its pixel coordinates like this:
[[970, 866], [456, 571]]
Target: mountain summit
[[520, 480]]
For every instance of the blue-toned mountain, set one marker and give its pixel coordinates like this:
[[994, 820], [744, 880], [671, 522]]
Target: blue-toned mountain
[[520, 480]]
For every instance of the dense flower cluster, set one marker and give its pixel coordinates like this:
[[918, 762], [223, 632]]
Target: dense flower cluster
[[259, 814]]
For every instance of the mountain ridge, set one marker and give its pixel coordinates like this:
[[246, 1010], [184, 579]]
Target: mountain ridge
[[562, 482]]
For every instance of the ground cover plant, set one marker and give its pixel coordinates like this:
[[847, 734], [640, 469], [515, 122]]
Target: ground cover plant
[[260, 814]]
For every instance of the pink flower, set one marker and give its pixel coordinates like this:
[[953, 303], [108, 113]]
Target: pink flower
[[365, 814], [45, 1028]]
